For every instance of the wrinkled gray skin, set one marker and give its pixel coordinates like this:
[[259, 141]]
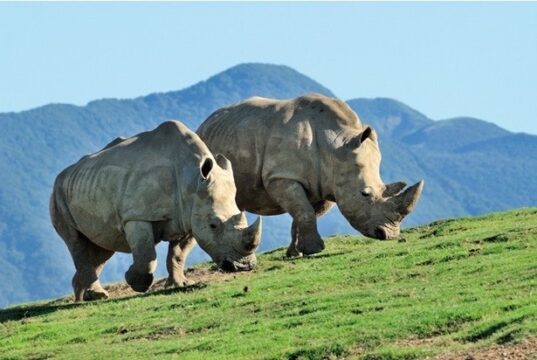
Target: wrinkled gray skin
[[300, 156], [162, 184]]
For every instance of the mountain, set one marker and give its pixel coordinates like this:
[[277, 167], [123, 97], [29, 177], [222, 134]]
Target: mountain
[[453, 134], [390, 118], [454, 289], [480, 169]]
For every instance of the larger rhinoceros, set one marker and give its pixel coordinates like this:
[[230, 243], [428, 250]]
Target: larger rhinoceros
[[162, 184], [300, 156]]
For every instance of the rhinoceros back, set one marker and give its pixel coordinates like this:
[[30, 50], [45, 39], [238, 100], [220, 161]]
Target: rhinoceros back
[[268, 139], [240, 133], [139, 178]]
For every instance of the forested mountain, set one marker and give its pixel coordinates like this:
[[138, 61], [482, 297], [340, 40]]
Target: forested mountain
[[470, 166]]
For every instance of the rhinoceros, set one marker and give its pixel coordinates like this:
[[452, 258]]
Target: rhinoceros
[[299, 156], [163, 184]]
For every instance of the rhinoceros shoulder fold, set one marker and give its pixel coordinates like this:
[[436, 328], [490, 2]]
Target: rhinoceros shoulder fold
[[172, 155], [140, 176]]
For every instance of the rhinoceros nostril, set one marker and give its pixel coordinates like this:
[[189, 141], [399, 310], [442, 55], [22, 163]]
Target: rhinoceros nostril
[[228, 266], [380, 234]]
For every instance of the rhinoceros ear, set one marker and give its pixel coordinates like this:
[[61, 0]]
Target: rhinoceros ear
[[206, 167], [356, 141], [223, 162]]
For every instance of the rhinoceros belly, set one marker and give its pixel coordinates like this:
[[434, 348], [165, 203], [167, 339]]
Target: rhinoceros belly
[[254, 198], [93, 204], [101, 226]]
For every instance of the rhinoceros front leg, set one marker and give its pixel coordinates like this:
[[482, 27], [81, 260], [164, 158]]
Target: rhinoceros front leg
[[320, 209], [290, 195], [141, 242], [175, 262]]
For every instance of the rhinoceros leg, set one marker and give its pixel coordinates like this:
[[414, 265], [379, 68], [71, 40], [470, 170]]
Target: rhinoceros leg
[[175, 262], [89, 260], [141, 242], [320, 209], [290, 195]]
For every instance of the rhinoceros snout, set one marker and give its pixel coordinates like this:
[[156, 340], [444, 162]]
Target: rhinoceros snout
[[383, 233], [233, 266]]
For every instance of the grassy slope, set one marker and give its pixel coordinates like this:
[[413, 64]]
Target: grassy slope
[[449, 286]]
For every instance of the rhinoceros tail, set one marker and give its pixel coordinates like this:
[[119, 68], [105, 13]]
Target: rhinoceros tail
[[53, 210], [59, 212]]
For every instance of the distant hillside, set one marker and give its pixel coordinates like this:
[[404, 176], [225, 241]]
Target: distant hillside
[[457, 289], [484, 171], [449, 135], [391, 118]]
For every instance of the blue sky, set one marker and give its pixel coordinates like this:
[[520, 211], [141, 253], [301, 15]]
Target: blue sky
[[444, 59]]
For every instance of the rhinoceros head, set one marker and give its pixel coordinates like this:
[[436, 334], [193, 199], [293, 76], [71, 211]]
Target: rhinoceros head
[[217, 224], [371, 207]]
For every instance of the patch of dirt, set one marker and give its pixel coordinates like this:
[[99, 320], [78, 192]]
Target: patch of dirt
[[417, 342], [168, 332], [524, 350], [199, 276]]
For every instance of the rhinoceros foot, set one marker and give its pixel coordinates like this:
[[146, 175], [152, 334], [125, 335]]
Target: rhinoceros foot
[[293, 252], [138, 282], [180, 282], [310, 245], [95, 294]]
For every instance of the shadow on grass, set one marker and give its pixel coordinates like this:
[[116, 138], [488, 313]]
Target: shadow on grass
[[315, 256], [30, 311]]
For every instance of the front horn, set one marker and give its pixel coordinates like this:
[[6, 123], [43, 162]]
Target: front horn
[[407, 199]]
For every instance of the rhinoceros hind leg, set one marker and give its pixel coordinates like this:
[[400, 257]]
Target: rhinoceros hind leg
[[141, 242], [89, 261], [291, 196]]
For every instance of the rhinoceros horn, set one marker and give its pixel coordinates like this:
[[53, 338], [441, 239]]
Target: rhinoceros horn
[[406, 201], [251, 236], [223, 162], [393, 189]]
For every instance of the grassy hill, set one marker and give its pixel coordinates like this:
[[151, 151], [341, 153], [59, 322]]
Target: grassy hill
[[451, 288]]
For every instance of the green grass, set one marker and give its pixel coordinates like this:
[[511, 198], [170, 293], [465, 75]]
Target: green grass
[[450, 286]]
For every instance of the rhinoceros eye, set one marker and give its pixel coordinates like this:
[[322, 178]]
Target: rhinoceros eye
[[213, 226], [366, 192]]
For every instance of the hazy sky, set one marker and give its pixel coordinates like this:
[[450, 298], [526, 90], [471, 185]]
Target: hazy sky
[[444, 59]]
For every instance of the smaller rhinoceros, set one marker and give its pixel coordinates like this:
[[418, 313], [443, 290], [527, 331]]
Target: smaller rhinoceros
[[302, 155], [162, 184]]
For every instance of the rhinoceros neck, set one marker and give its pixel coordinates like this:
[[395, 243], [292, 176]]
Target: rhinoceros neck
[[190, 150], [329, 142], [188, 172]]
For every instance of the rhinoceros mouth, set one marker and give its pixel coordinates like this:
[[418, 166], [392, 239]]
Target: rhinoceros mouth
[[380, 234], [234, 266]]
